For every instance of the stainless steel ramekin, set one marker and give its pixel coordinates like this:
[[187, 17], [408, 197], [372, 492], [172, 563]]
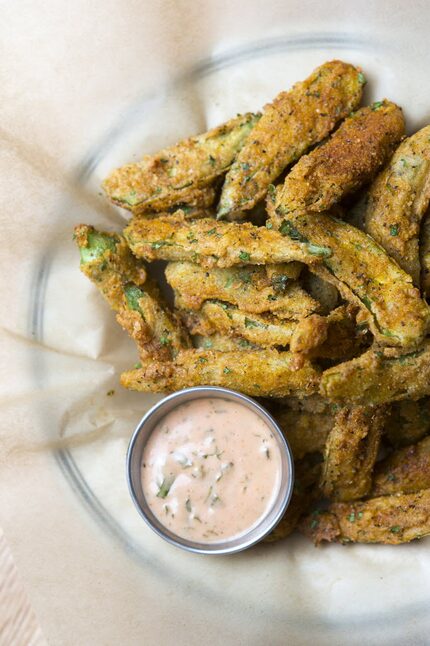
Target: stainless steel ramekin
[[134, 462]]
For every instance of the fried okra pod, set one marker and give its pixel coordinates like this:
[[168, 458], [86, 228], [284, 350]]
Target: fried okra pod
[[350, 452], [122, 280], [263, 330], [263, 373], [392, 520], [408, 422], [250, 288], [215, 244], [293, 122], [398, 200], [404, 471], [379, 376], [338, 252], [181, 174], [350, 158], [364, 275]]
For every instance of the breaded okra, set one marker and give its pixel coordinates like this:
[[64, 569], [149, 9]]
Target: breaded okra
[[249, 288], [395, 519], [379, 376], [350, 158], [404, 471], [181, 174], [122, 280], [338, 252], [263, 373], [398, 200], [293, 122], [350, 452], [264, 330]]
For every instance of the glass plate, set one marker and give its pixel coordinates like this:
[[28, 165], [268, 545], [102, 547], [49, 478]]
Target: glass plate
[[333, 593]]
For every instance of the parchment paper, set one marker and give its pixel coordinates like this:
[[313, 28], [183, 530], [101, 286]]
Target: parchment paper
[[94, 573]]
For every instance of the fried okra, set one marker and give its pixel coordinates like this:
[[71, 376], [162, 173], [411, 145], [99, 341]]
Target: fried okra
[[364, 275], [293, 122], [216, 244], [263, 373], [395, 519], [379, 376], [349, 159], [249, 288], [398, 200], [122, 280], [404, 471], [181, 174], [350, 452]]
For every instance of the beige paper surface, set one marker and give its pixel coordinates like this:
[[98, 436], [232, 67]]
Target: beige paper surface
[[94, 574], [18, 623]]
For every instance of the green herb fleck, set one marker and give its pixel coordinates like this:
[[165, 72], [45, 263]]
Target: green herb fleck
[[287, 228], [227, 371], [351, 517], [316, 250], [211, 232], [269, 225], [165, 486], [245, 166], [394, 230], [361, 78], [396, 529], [202, 360], [164, 340], [375, 106], [245, 256], [250, 323], [315, 523], [137, 365], [160, 243], [207, 343], [212, 160], [133, 294]]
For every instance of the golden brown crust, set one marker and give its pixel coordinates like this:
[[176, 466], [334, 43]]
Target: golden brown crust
[[425, 255], [264, 330], [108, 262], [350, 452], [265, 373], [364, 275], [310, 333], [305, 431], [349, 159], [392, 520], [408, 422], [293, 122], [248, 287], [379, 376], [398, 200], [182, 173], [213, 244], [404, 471]]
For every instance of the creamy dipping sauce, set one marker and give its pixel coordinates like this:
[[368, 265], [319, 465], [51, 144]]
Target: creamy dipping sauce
[[211, 469]]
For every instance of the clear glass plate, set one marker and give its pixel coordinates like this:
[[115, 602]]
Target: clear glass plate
[[333, 593]]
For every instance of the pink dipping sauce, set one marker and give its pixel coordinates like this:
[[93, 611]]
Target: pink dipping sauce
[[211, 469]]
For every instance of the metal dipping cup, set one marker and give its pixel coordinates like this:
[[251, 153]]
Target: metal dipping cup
[[134, 463]]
